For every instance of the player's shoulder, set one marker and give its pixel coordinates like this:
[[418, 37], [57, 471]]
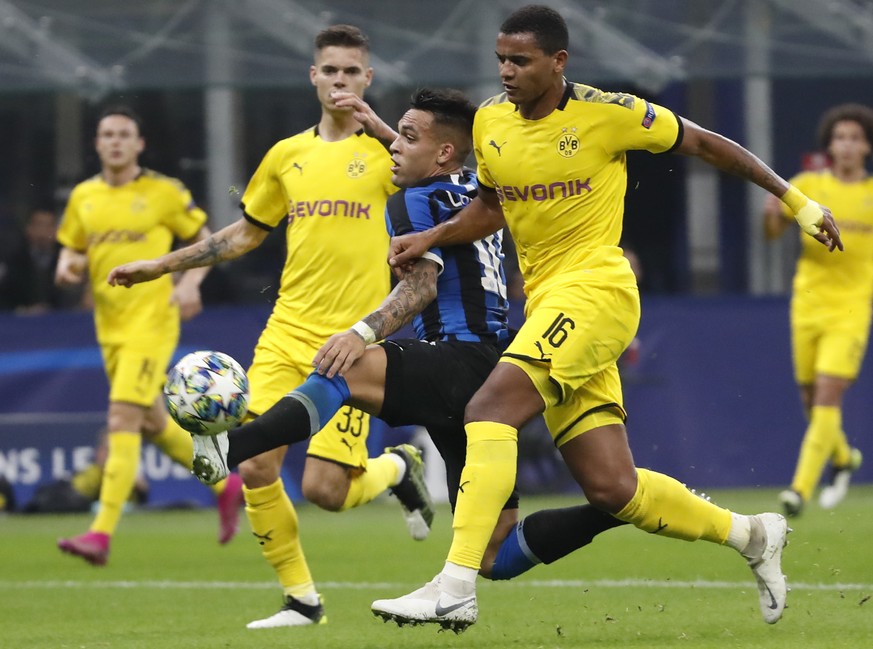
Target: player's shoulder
[[463, 182], [370, 143], [495, 107], [304, 139], [89, 184], [498, 102], [589, 95], [162, 181]]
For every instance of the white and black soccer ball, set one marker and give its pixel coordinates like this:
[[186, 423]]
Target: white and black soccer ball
[[207, 392]]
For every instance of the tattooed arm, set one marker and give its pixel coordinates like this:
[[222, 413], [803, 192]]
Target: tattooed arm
[[228, 243], [416, 289], [726, 155]]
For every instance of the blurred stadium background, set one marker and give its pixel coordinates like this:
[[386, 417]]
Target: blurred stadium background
[[219, 81]]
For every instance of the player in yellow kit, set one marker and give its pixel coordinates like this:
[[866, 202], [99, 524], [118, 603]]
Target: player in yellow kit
[[124, 213], [552, 166], [830, 304], [328, 187]]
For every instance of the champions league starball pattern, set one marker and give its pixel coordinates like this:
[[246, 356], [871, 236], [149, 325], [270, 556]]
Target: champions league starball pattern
[[207, 392]]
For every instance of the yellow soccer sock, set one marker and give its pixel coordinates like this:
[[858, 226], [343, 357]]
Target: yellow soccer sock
[[666, 507], [842, 453], [87, 481], [381, 473], [176, 443], [486, 482], [119, 476], [822, 434], [274, 524]]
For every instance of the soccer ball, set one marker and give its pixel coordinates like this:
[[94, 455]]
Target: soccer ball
[[207, 393]]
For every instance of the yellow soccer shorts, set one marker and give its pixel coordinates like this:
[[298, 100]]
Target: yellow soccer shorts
[[283, 362], [568, 346], [137, 372], [829, 341]]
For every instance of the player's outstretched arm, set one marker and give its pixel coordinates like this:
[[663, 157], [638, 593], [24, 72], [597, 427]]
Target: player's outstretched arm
[[416, 289], [722, 153], [483, 216], [228, 243]]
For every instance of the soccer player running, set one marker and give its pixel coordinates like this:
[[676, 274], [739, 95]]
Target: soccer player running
[[551, 157], [328, 186], [456, 299], [124, 213], [830, 304]]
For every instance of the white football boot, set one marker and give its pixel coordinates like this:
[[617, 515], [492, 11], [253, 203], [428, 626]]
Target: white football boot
[[293, 613], [210, 457], [432, 604], [833, 494], [412, 492], [768, 533], [792, 503]]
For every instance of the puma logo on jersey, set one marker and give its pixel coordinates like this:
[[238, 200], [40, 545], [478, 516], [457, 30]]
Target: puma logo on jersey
[[298, 167], [543, 355], [497, 146], [263, 538]]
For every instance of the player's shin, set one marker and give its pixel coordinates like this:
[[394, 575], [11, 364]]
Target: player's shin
[[176, 443], [548, 535], [274, 524], [381, 473], [663, 505], [119, 475], [486, 483], [822, 435], [294, 418]]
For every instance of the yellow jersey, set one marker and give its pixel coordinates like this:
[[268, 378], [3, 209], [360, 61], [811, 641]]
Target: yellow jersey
[[115, 225], [561, 179], [825, 278], [331, 196]]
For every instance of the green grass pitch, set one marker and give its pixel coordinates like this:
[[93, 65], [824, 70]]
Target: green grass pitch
[[168, 584]]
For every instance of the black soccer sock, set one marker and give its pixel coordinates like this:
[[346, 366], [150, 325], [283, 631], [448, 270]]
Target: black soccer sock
[[287, 422], [554, 533]]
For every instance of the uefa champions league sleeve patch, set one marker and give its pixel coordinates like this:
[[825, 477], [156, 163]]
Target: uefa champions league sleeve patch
[[649, 116]]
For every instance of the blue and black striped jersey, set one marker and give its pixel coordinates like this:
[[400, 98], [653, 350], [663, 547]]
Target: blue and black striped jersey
[[471, 300]]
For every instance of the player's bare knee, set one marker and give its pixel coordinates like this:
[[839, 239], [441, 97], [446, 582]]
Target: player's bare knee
[[258, 472], [610, 496], [124, 417], [320, 490], [480, 408]]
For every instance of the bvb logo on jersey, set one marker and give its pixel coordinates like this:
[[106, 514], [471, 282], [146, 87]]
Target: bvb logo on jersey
[[356, 168], [138, 205], [568, 143]]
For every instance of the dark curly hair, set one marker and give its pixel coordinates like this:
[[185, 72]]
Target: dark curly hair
[[859, 113]]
